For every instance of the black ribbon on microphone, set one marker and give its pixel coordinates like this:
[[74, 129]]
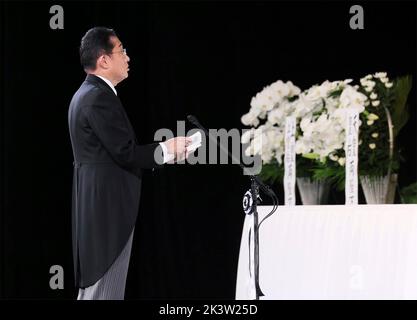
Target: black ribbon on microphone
[[250, 201]]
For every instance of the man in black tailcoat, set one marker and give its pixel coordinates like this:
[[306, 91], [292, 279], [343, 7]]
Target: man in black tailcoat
[[108, 164]]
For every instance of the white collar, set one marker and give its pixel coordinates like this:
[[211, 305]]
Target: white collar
[[108, 82]]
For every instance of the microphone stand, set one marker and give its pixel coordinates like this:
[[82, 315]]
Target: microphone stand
[[250, 205]]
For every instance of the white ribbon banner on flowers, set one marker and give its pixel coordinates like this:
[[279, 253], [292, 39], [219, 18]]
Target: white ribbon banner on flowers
[[351, 150], [289, 162]]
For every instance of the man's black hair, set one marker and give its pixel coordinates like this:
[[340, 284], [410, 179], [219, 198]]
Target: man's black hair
[[95, 43]]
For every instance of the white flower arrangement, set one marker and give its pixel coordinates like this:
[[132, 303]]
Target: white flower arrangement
[[320, 114], [384, 99], [268, 99], [273, 105], [320, 117], [323, 129]]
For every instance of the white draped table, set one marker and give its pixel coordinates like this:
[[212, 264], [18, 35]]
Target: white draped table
[[333, 252]]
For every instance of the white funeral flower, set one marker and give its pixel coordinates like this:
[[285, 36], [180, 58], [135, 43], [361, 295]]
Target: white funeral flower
[[270, 97], [321, 136], [351, 98], [375, 103], [266, 141], [250, 119], [333, 157], [370, 122], [313, 94], [282, 89], [388, 84], [375, 135], [372, 116], [380, 75], [302, 106], [323, 127], [373, 96], [342, 161], [302, 146], [263, 101], [318, 92], [370, 83], [257, 144], [372, 146], [247, 135], [276, 116]]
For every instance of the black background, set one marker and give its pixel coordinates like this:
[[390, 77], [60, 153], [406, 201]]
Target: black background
[[203, 58]]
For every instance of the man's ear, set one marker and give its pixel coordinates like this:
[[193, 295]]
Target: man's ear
[[103, 62]]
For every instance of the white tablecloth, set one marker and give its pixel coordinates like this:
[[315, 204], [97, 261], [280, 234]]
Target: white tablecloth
[[333, 252]]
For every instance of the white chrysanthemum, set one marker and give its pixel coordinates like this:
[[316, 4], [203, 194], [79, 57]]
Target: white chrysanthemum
[[373, 96], [372, 116], [380, 75], [370, 83], [388, 84]]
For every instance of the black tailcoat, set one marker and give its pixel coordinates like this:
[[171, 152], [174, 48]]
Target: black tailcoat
[[108, 163]]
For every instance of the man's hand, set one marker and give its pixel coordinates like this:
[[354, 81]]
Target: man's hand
[[178, 146]]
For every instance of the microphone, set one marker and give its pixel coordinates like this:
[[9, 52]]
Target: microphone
[[195, 122], [263, 186], [192, 119]]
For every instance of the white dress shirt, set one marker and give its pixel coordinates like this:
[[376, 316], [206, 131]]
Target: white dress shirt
[[167, 156]]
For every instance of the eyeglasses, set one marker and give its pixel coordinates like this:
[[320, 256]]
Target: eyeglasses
[[124, 51]]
